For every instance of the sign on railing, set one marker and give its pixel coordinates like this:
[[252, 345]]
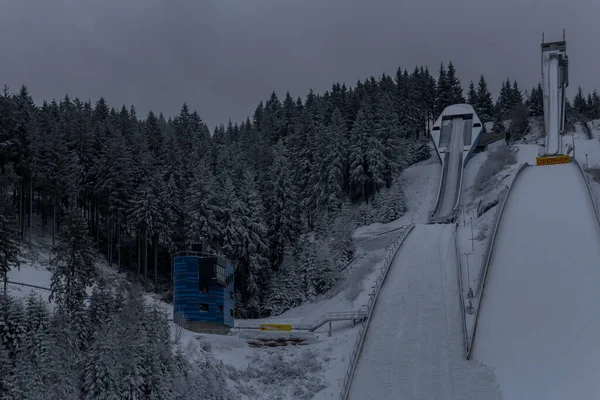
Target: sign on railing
[[552, 160], [276, 327]]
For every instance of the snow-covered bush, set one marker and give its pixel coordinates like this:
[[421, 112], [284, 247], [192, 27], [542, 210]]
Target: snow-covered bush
[[419, 151], [389, 204], [284, 373], [498, 158], [307, 271]]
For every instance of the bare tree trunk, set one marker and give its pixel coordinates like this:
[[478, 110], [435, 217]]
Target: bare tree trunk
[[139, 254], [54, 221], [118, 244], [146, 258], [21, 206], [109, 241], [155, 261], [97, 224]]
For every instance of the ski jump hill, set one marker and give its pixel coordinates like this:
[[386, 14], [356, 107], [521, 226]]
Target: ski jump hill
[[535, 334], [455, 135], [536, 326]]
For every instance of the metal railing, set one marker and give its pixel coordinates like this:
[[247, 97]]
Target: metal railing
[[355, 354], [28, 285], [461, 292], [356, 315], [488, 254], [490, 244], [353, 261], [589, 188]]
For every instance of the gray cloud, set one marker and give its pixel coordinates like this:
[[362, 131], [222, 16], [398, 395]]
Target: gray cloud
[[223, 56]]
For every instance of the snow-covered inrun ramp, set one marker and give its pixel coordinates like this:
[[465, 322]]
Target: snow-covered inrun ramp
[[449, 193], [538, 326], [413, 347]]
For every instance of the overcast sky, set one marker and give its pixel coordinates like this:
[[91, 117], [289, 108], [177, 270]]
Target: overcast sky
[[223, 56]]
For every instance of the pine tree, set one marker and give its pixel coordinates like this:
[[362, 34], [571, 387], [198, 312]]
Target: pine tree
[[455, 89], [282, 219], [72, 262], [335, 160], [579, 103], [472, 95], [535, 102], [484, 106], [358, 155], [516, 96], [9, 245]]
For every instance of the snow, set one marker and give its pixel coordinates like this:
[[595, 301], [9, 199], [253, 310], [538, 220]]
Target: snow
[[413, 347], [450, 191], [535, 328], [460, 109], [420, 183]]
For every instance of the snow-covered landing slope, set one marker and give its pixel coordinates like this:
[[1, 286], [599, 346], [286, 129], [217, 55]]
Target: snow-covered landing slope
[[413, 347], [538, 326]]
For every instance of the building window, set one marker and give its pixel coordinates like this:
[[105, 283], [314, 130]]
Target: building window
[[204, 289], [220, 273], [231, 312], [231, 295], [221, 310], [203, 307]]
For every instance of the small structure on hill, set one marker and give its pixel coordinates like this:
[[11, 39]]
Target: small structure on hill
[[203, 291]]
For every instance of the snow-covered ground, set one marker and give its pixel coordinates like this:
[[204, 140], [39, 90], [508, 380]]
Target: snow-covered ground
[[314, 369], [536, 327], [413, 348]]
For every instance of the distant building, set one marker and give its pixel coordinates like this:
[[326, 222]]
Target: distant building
[[203, 291]]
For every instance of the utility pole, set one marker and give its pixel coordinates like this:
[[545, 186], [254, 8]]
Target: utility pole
[[468, 272], [472, 238]]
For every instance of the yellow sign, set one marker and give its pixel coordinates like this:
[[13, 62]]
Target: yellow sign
[[275, 327], [551, 160]]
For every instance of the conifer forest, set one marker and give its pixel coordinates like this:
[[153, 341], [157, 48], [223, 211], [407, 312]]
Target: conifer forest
[[279, 194]]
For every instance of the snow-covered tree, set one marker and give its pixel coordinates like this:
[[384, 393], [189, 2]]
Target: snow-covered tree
[[72, 262]]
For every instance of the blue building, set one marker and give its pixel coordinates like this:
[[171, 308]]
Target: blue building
[[204, 291]]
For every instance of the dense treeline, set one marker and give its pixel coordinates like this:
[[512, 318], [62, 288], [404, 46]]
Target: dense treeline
[[115, 347], [586, 107], [264, 192]]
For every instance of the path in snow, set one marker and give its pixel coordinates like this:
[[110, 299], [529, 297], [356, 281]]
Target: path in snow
[[413, 348], [538, 327]]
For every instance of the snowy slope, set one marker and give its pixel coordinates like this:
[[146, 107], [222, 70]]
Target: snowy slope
[[537, 327], [413, 348], [450, 191]]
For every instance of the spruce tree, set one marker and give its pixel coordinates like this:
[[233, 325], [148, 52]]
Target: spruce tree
[[485, 105], [472, 95], [579, 103], [72, 262]]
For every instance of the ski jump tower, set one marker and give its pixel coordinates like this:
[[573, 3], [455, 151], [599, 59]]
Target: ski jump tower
[[555, 79]]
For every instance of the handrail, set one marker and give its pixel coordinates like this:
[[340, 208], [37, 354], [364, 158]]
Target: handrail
[[356, 350], [354, 260], [28, 285], [489, 252], [589, 188], [460, 290]]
